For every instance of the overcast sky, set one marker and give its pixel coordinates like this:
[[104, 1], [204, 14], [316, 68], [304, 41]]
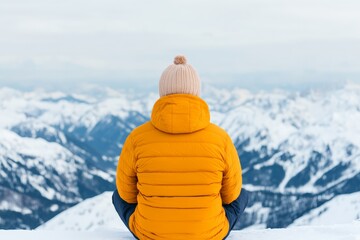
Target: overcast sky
[[248, 43]]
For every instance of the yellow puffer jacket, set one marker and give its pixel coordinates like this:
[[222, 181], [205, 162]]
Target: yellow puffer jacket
[[180, 169]]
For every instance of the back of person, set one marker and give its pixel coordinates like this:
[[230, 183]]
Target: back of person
[[178, 169]]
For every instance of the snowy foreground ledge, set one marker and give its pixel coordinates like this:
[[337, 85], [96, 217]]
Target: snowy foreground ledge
[[329, 232]]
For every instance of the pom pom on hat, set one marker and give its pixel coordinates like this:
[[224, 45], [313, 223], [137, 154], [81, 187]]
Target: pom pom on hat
[[179, 77], [180, 59]]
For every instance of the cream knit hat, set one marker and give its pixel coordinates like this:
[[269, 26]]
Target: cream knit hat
[[179, 78]]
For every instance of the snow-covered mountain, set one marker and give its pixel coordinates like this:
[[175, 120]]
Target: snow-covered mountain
[[298, 150], [42, 178], [341, 209], [92, 214], [57, 150]]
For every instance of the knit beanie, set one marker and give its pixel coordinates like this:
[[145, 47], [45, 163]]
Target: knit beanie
[[179, 77]]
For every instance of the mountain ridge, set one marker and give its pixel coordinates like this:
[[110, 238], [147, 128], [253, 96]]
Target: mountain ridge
[[294, 147]]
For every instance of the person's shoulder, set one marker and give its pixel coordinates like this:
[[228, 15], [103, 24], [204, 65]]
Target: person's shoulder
[[146, 126], [221, 132], [215, 128]]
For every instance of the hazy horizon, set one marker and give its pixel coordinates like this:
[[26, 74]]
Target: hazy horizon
[[253, 44], [95, 88]]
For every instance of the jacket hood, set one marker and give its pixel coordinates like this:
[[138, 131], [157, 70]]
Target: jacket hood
[[180, 113]]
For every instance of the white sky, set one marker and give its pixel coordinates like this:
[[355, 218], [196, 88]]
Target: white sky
[[251, 43]]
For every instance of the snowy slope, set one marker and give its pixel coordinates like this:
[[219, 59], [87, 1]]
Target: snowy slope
[[331, 232], [39, 178], [304, 136], [297, 150], [58, 149], [341, 209], [91, 214], [53, 163], [98, 213]]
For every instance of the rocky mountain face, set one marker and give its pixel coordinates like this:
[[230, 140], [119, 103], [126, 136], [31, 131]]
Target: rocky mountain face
[[298, 150]]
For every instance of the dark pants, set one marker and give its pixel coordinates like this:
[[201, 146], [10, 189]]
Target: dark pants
[[123, 209], [233, 210]]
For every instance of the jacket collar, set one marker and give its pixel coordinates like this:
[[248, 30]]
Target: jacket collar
[[180, 113]]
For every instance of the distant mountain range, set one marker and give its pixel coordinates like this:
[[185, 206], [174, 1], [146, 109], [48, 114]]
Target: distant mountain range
[[298, 150]]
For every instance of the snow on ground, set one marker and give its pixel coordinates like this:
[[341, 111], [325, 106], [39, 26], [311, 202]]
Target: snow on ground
[[91, 214], [98, 213], [95, 218], [341, 209], [330, 232]]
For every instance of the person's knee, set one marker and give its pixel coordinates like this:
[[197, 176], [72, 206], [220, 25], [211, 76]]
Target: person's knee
[[245, 196], [245, 200], [241, 202], [115, 196]]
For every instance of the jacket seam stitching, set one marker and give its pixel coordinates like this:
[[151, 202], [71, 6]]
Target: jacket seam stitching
[[144, 144]]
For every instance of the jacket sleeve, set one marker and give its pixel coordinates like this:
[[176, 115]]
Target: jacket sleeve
[[232, 179], [126, 179]]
